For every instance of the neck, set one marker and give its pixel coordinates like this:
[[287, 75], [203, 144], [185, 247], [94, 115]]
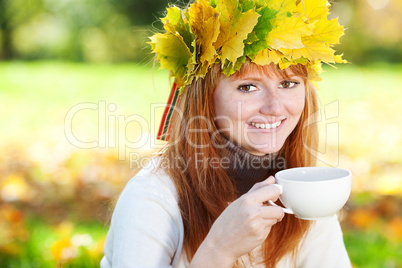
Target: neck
[[244, 168]]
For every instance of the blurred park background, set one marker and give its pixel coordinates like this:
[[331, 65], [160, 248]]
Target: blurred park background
[[80, 103]]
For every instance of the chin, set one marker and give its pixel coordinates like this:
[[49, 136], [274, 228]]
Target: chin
[[263, 151]]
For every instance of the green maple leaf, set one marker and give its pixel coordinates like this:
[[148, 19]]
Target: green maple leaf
[[239, 63], [214, 3], [264, 25], [256, 40], [246, 5], [261, 3], [229, 68], [252, 49]]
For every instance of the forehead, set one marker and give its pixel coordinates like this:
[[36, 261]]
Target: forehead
[[270, 71]]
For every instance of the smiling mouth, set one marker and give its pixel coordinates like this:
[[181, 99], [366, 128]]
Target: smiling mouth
[[266, 126]]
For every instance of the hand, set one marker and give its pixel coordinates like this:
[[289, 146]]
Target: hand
[[243, 225]]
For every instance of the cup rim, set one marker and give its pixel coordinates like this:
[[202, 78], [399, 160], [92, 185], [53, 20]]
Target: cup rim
[[349, 173]]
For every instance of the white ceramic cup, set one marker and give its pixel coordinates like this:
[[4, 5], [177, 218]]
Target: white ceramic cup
[[313, 193]]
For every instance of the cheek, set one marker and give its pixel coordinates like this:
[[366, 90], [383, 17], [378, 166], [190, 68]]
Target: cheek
[[219, 112], [296, 106], [225, 117], [225, 110], [300, 106]]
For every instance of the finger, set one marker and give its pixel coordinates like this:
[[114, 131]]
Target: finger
[[269, 180], [264, 193], [269, 223], [270, 212]]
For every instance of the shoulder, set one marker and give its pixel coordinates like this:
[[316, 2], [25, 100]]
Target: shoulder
[[152, 179], [146, 222], [151, 189]]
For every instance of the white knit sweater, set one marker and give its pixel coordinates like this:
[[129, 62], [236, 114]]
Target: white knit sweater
[[147, 230]]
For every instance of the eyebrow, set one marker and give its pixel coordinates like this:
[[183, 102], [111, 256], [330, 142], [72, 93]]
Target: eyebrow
[[246, 77], [259, 79]]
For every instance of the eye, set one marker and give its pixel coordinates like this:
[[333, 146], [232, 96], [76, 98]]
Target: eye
[[247, 88], [288, 84]]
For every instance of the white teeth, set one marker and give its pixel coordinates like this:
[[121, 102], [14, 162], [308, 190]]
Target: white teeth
[[266, 126]]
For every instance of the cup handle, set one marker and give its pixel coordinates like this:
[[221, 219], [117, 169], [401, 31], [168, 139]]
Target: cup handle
[[286, 210]]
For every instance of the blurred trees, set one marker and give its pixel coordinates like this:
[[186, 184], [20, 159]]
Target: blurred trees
[[117, 30], [12, 16], [372, 29], [78, 30], [141, 12]]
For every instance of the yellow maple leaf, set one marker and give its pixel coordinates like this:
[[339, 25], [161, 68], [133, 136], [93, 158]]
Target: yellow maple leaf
[[234, 46], [313, 9], [171, 50], [282, 6], [199, 72], [234, 28], [266, 56], [173, 17], [327, 31], [228, 10], [314, 71], [317, 45], [285, 63], [313, 50], [204, 21], [288, 33], [338, 59]]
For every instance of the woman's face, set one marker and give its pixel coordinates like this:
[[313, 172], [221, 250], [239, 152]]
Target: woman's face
[[258, 112]]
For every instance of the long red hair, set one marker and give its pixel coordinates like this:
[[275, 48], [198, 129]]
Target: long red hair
[[204, 190]]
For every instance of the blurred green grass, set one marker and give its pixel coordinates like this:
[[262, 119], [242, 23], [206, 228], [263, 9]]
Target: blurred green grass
[[370, 249], [47, 185], [65, 244], [34, 94]]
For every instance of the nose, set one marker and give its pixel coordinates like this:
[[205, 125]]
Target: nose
[[271, 103]]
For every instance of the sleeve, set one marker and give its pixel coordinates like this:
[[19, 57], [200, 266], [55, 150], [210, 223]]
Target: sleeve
[[324, 246], [144, 230]]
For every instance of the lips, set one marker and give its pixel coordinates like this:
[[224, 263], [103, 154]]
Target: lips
[[266, 125]]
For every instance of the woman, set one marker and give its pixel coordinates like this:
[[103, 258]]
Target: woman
[[246, 98]]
